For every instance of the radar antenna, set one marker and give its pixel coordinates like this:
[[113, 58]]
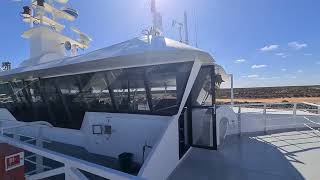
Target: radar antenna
[[46, 30]]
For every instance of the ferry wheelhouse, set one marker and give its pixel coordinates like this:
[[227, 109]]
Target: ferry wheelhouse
[[142, 109], [150, 96]]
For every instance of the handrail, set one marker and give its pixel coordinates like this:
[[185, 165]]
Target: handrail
[[294, 104], [31, 138], [277, 103], [260, 104], [70, 162], [25, 124], [311, 121], [311, 109], [312, 104]]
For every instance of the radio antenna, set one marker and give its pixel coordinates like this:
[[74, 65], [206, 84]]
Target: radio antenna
[[156, 19], [186, 30], [182, 26], [196, 28]]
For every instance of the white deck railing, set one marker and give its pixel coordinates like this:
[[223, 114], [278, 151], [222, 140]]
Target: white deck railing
[[72, 166], [295, 111]]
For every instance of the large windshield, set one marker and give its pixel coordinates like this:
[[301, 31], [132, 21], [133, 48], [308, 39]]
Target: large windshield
[[62, 101]]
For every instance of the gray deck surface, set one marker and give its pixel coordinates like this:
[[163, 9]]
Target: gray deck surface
[[278, 156]]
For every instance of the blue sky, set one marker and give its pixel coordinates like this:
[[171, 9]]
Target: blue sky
[[262, 42]]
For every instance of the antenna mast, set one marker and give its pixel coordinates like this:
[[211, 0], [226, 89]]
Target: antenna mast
[[186, 31], [196, 28], [183, 26], [156, 20], [45, 33], [180, 26]]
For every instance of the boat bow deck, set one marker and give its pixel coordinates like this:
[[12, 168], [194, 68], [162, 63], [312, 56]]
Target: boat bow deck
[[278, 156]]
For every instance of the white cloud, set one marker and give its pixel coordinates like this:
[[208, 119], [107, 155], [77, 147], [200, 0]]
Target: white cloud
[[297, 46], [283, 69], [307, 54], [240, 61], [270, 78], [283, 55], [250, 76], [253, 76], [300, 71], [258, 66], [318, 63], [290, 76], [269, 48]]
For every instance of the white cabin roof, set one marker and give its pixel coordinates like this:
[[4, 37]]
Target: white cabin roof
[[132, 53]]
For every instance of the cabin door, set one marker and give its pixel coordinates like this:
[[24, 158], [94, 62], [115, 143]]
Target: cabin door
[[199, 115]]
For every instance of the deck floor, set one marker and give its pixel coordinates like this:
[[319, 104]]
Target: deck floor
[[278, 156]]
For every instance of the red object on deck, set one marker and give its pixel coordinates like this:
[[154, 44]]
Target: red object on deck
[[11, 163]]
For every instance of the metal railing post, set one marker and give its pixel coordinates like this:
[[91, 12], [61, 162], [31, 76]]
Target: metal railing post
[[265, 117], [295, 115], [67, 172], [15, 136], [239, 121], [39, 159]]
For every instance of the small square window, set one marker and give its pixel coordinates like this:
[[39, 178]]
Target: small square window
[[97, 129], [108, 129]]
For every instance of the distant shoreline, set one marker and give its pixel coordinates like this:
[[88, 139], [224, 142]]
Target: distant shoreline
[[285, 93], [273, 87], [315, 100]]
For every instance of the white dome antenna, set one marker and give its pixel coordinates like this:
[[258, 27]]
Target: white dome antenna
[[72, 12]]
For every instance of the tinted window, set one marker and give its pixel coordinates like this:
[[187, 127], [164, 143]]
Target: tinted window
[[202, 88], [63, 101]]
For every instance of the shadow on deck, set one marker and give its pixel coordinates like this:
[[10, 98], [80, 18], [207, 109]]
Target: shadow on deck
[[277, 156]]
